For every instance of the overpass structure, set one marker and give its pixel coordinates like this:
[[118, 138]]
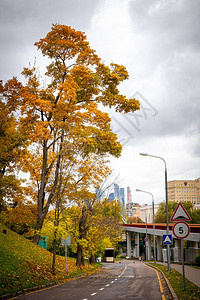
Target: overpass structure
[[136, 229]]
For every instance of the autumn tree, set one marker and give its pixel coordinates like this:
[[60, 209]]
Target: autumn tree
[[85, 197], [94, 227], [13, 144], [66, 109], [21, 219], [78, 178], [111, 214]]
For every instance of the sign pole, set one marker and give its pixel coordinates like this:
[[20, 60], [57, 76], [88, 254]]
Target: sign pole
[[66, 242], [146, 240], [183, 268], [65, 258], [181, 230]]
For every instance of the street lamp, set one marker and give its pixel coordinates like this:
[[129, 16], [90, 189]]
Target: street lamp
[[166, 198], [154, 240]]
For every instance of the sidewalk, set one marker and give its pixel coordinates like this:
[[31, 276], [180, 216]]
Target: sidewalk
[[192, 274]]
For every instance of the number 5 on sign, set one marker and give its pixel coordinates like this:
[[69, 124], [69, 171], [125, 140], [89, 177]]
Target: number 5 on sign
[[181, 230]]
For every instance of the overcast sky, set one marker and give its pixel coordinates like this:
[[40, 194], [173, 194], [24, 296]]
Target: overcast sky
[[159, 43]]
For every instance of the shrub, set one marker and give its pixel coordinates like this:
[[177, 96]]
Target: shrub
[[197, 260]]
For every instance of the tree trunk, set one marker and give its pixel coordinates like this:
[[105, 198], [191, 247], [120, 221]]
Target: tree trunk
[[43, 210], [92, 259], [56, 224], [39, 224], [82, 234], [80, 259], [54, 253]]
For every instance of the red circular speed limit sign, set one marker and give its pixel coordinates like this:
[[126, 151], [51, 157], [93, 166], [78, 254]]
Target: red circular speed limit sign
[[181, 230]]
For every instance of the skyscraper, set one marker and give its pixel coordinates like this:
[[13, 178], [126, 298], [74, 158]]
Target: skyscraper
[[122, 196], [116, 190], [111, 197], [118, 193], [129, 196]]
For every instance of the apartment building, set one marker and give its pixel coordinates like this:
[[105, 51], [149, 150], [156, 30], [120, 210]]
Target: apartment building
[[184, 190], [133, 209]]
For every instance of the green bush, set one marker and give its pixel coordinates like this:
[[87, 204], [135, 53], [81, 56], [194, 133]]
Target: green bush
[[197, 260]]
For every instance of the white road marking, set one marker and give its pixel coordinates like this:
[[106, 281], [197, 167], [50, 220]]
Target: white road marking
[[101, 289], [123, 271]]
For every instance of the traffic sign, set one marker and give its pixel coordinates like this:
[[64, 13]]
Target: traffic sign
[[146, 239], [167, 239], [180, 214], [66, 242], [181, 230]]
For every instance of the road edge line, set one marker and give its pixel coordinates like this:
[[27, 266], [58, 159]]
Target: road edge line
[[46, 286], [167, 281]]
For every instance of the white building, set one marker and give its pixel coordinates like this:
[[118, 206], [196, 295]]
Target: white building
[[147, 211]]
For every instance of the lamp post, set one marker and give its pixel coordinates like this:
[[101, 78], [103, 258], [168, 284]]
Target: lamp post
[[154, 239], [146, 242], [166, 198]]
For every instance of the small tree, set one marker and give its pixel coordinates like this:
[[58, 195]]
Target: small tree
[[94, 225], [135, 220]]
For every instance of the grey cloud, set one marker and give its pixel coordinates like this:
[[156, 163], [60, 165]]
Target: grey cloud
[[172, 21], [24, 22], [171, 31]]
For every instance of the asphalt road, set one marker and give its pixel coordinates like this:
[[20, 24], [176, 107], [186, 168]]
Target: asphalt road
[[119, 280]]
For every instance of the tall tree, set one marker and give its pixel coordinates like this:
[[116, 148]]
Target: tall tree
[[66, 109]]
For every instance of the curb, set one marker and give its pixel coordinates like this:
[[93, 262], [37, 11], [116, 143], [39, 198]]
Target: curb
[[37, 288], [27, 290], [167, 281]]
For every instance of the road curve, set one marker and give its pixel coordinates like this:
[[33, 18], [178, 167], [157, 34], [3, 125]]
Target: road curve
[[126, 279]]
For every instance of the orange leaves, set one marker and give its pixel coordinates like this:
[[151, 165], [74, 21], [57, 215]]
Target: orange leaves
[[120, 70], [69, 102], [125, 105], [21, 219], [66, 43], [87, 83], [41, 132], [66, 106], [10, 92], [110, 78]]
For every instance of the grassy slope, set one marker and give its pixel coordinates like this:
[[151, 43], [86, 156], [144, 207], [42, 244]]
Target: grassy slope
[[176, 280], [24, 265]]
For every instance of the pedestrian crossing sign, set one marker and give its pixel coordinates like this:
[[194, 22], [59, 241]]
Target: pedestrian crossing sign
[[167, 239]]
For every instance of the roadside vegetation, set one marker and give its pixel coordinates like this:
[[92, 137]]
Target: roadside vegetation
[[160, 216], [176, 280], [24, 265]]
